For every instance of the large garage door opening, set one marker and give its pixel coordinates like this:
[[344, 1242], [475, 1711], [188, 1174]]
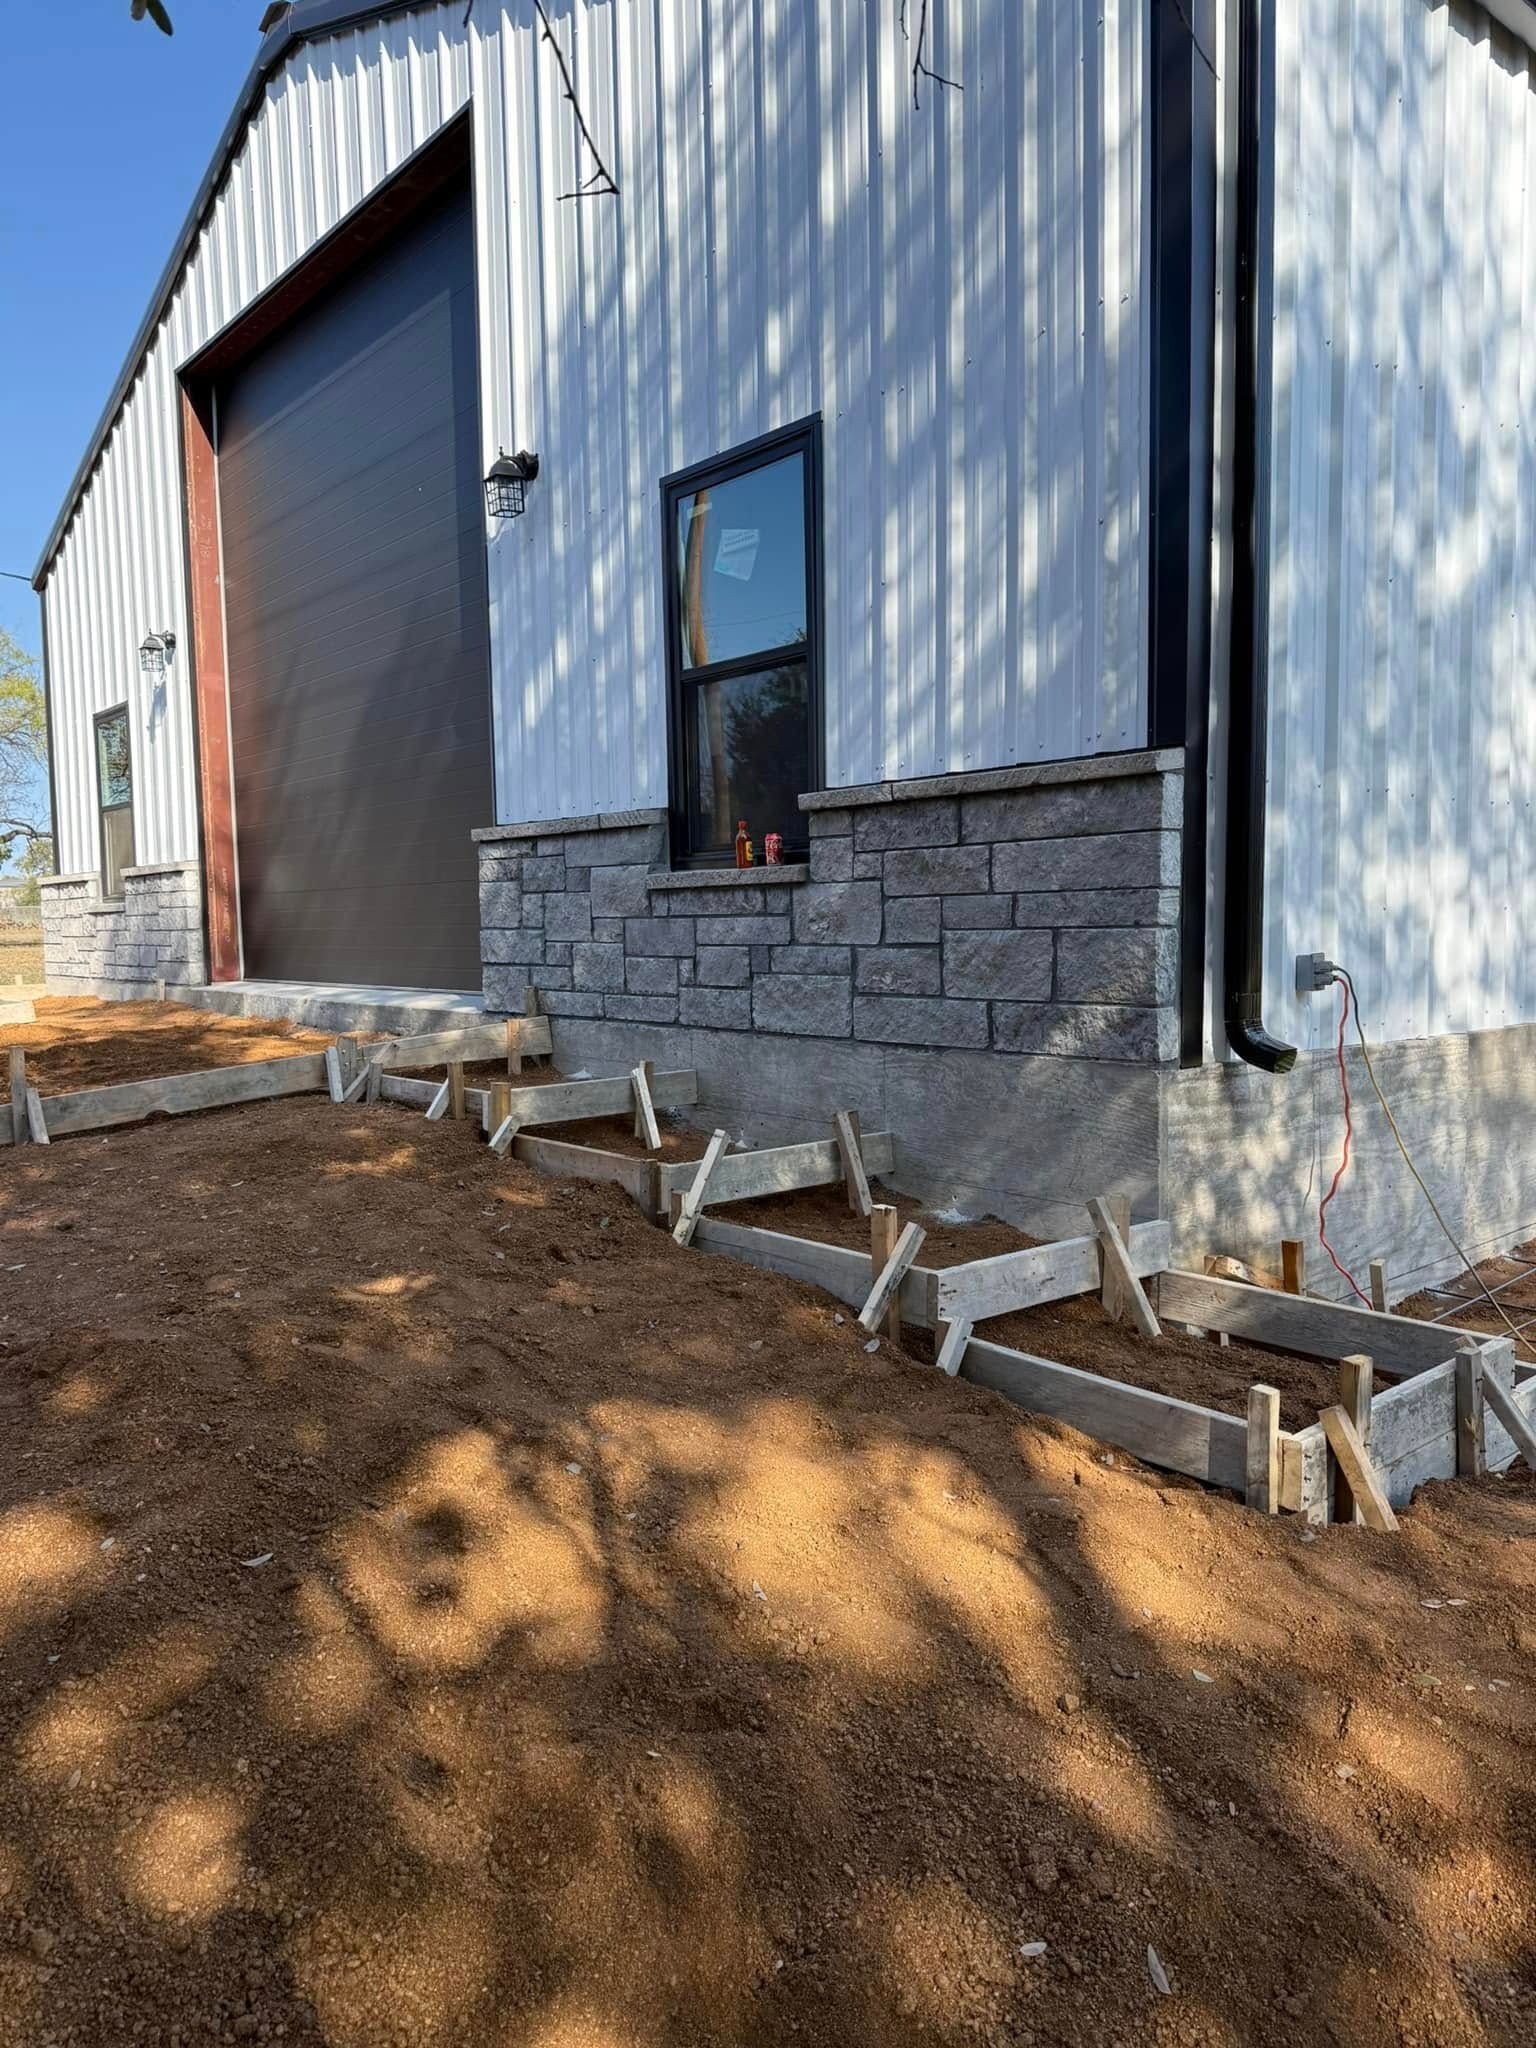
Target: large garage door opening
[[356, 621]]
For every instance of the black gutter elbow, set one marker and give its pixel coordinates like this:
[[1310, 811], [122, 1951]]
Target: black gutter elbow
[[1248, 660], [1251, 1042]]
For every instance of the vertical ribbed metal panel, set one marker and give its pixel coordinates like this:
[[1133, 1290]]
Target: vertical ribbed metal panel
[[1402, 739], [336, 120], [958, 289]]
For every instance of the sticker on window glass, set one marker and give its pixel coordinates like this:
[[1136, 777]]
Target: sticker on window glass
[[737, 553]]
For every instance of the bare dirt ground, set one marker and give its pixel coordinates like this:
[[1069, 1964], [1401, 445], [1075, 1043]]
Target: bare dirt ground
[[21, 955], [84, 1042], [1512, 1280], [435, 1609]]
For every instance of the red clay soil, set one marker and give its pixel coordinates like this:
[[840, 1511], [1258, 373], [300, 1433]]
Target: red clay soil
[[1464, 1303], [438, 1610], [83, 1042], [1077, 1332]]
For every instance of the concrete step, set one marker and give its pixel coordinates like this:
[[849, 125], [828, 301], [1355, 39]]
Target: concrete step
[[340, 1006]]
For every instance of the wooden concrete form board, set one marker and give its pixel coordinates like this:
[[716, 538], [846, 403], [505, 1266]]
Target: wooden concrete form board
[[635, 1177], [839, 1270], [1040, 1273], [1175, 1435], [1398, 1345], [1412, 1433], [779, 1170], [97, 1109], [471, 1042]]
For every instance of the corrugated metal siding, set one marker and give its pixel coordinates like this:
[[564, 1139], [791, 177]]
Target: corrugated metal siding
[[959, 290], [1403, 626], [337, 120]]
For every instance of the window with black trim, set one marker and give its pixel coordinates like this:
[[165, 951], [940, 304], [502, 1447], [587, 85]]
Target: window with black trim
[[743, 540], [114, 797]]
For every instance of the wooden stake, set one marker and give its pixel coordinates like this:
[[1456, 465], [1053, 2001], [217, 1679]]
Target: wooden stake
[[850, 1144], [888, 1283], [1111, 1296], [1263, 1468], [500, 1104], [955, 1337], [37, 1123], [514, 1052], [1356, 1378], [333, 1080], [687, 1208], [456, 1090], [503, 1134], [375, 1075], [1364, 1480], [1293, 1260], [1112, 1244], [646, 1126], [1471, 1454], [884, 1229], [1514, 1420], [1379, 1286], [438, 1106], [358, 1083], [18, 1095]]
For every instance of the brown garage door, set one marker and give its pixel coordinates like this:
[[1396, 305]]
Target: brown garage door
[[355, 596]]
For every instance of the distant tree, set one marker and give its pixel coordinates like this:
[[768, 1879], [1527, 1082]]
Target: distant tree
[[23, 750]]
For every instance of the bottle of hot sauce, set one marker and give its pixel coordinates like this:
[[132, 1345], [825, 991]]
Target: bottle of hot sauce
[[743, 845]]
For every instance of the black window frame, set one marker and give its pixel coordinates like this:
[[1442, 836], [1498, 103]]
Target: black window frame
[[803, 438], [99, 719]]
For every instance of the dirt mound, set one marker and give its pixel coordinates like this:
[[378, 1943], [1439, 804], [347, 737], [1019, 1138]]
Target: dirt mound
[[435, 1609]]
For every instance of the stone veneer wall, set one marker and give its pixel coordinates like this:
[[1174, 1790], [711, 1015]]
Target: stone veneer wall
[[1022, 911], [154, 934]]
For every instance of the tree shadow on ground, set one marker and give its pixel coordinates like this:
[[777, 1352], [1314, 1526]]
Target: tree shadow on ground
[[434, 1608]]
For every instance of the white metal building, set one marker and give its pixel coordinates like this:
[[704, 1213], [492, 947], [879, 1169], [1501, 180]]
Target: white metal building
[[1138, 423]]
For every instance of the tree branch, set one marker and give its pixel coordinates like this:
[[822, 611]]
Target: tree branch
[[600, 185], [921, 68]]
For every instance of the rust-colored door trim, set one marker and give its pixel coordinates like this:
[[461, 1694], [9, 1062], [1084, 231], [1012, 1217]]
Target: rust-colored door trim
[[210, 670]]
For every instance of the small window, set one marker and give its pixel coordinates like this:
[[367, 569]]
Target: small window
[[743, 654], [114, 795]]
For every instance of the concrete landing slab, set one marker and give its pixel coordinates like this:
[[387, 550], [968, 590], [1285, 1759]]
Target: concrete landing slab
[[340, 1006]]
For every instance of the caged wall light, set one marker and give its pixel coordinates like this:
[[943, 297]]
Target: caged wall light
[[506, 487], [155, 651]]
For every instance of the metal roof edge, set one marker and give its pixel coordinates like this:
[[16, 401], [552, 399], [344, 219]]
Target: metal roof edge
[[1518, 16], [304, 22]]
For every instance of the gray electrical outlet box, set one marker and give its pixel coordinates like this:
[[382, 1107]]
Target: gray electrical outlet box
[[1314, 972]]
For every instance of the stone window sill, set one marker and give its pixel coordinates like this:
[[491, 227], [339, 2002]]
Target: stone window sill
[[108, 907], [782, 876]]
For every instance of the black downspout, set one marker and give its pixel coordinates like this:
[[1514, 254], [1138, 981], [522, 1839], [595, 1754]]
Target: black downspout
[[1248, 673], [1182, 85]]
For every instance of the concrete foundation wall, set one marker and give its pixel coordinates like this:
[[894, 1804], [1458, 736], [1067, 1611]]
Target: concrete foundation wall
[[1246, 1157], [95, 947]]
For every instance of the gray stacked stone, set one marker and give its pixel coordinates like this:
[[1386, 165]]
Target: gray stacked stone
[[1021, 911], [154, 934]]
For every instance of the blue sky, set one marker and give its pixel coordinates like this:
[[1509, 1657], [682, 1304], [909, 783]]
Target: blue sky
[[105, 130]]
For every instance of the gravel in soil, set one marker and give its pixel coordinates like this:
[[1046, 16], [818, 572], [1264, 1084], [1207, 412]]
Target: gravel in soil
[[1075, 1332], [85, 1042], [439, 1610]]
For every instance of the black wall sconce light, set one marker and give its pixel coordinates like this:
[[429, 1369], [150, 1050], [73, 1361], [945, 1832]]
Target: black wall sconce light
[[155, 652], [506, 488]]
